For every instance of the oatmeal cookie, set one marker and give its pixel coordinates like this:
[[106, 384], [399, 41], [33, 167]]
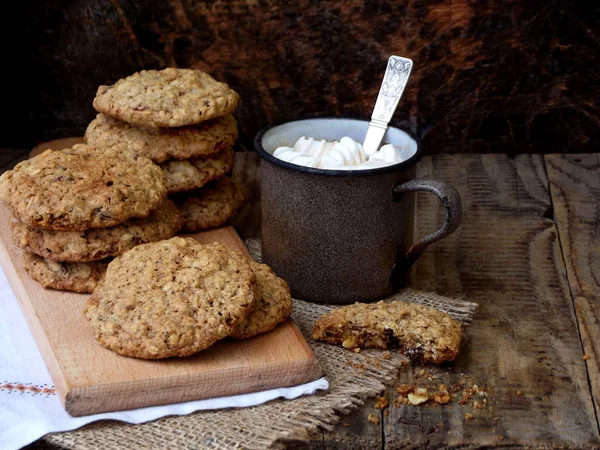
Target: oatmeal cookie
[[418, 331], [162, 144], [66, 276], [273, 303], [166, 98], [170, 298], [195, 173], [98, 243], [82, 187], [212, 205]]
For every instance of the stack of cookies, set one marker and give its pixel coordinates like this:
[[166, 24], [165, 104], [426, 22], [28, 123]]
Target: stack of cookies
[[180, 119], [177, 297], [74, 209]]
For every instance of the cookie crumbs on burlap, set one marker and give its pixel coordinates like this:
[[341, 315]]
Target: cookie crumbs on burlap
[[171, 298]]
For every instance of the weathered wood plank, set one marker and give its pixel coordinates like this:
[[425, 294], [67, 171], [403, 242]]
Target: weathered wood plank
[[355, 431], [523, 349], [506, 257], [575, 191]]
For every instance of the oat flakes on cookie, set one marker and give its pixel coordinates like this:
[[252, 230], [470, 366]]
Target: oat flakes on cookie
[[418, 331], [82, 187], [171, 298], [162, 144], [194, 173], [273, 303], [98, 243], [166, 98], [65, 276], [212, 205]]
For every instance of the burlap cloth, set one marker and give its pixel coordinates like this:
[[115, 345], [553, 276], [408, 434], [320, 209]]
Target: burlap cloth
[[352, 378]]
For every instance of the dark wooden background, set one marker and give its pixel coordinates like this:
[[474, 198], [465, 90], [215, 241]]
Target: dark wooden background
[[489, 76]]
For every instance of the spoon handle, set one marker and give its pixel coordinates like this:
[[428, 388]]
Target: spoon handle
[[392, 87]]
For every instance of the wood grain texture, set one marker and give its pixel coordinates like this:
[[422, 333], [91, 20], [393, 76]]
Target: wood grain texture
[[355, 431], [494, 76], [507, 257], [91, 379], [523, 347], [575, 189]]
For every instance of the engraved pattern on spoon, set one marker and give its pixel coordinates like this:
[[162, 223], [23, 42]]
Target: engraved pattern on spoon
[[392, 88]]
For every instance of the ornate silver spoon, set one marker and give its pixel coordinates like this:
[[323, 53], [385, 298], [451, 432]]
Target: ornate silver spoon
[[394, 81]]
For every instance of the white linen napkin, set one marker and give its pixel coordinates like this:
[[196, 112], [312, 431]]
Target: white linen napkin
[[29, 408]]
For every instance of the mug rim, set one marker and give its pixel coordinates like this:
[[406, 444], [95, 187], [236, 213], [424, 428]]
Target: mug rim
[[331, 172]]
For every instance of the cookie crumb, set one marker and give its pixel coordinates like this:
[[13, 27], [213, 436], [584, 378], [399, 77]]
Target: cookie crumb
[[468, 416], [400, 400], [586, 357], [356, 350], [381, 402], [349, 343], [386, 355], [419, 397], [500, 438], [442, 396], [373, 419], [519, 393], [404, 389]]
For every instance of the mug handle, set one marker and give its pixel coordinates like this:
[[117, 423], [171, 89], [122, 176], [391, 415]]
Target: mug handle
[[451, 202]]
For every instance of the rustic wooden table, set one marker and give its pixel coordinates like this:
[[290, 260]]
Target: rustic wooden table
[[528, 252]]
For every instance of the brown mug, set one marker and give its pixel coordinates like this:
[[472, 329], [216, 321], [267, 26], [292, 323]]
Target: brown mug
[[342, 236]]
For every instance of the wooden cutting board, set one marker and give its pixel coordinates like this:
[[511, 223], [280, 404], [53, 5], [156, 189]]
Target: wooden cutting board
[[91, 379]]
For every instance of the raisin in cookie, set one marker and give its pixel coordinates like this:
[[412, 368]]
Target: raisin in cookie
[[194, 173], [66, 276], [418, 331], [98, 243], [166, 98], [171, 298], [82, 187], [212, 205], [273, 303], [162, 144]]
